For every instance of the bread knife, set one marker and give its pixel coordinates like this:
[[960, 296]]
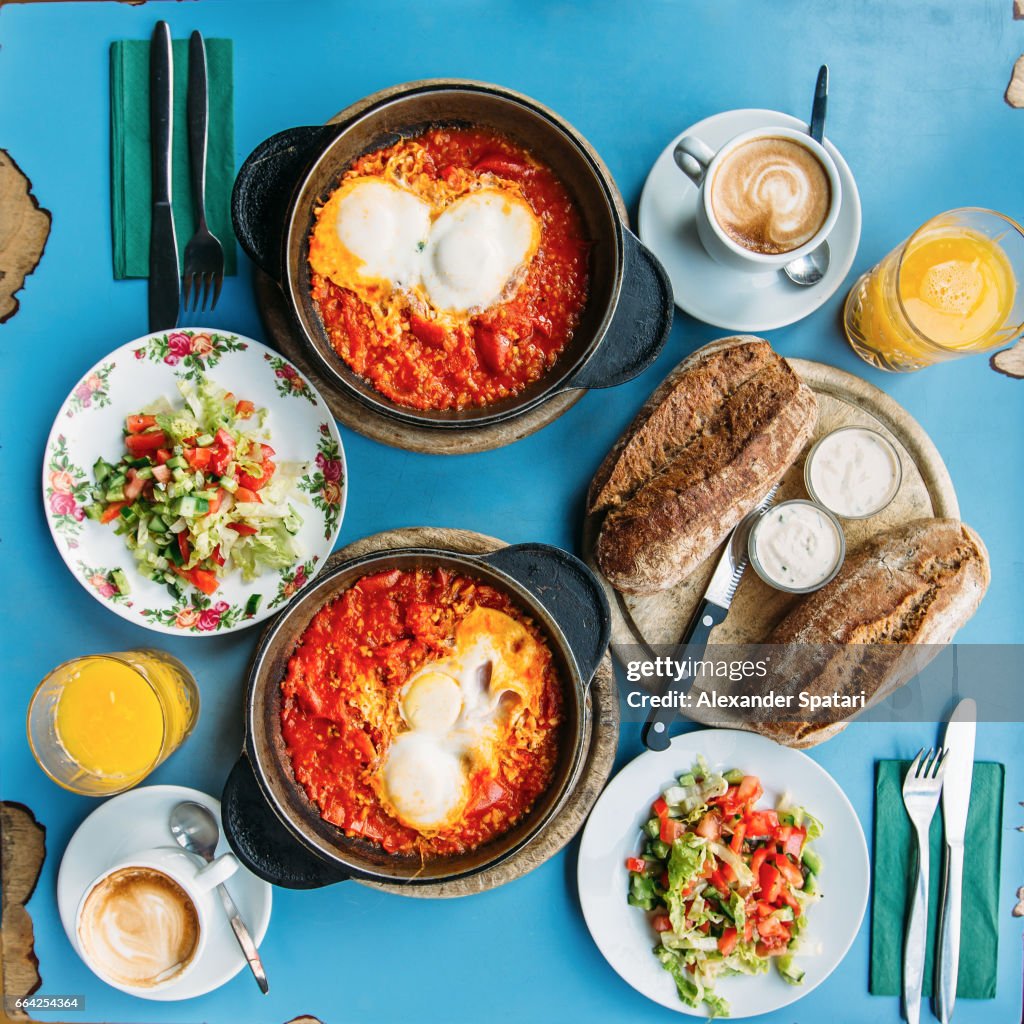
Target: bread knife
[[956, 798], [711, 611], [164, 279]]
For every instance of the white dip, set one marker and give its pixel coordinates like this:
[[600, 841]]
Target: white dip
[[797, 545], [854, 472]]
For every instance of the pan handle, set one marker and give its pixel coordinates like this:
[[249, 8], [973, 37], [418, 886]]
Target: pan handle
[[262, 843], [264, 188], [640, 324], [568, 590]]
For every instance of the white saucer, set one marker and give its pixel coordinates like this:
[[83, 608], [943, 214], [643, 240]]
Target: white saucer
[[707, 290], [136, 821]]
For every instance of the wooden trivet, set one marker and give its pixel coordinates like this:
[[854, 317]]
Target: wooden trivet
[[843, 400], [285, 335], [22, 851], [601, 734]]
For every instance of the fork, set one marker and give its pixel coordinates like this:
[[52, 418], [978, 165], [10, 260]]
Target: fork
[[921, 788], [204, 255]]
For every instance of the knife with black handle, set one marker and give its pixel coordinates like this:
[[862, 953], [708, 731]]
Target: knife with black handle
[[711, 611], [164, 282]]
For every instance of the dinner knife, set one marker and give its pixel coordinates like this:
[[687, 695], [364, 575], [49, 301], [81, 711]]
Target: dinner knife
[[164, 282], [956, 798], [820, 105], [711, 610]]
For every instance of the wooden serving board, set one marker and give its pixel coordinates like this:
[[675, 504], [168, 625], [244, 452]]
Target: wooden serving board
[[601, 733], [843, 400], [286, 336]]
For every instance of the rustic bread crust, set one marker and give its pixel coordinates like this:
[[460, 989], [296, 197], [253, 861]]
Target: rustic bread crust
[[888, 612], [704, 450]]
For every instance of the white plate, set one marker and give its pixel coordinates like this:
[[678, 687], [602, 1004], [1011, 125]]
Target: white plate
[[132, 823], [707, 290], [623, 933], [90, 424]]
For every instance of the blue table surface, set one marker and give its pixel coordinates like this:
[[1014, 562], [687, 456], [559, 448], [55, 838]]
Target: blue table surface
[[916, 108]]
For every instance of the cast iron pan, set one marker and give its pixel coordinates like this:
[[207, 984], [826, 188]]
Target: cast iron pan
[[278, 833], [629, 311]]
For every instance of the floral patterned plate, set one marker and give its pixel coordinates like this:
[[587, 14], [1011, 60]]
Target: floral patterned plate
[[89, 425]]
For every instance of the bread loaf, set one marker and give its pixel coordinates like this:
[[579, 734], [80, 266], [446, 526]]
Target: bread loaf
[[914, 585], [703, 451]]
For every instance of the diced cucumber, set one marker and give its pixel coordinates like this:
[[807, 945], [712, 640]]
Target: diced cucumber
[[137, 463], [653, 828], [120, 580], [252, 606], [687, 780], [178, 525], [811, 860], [190, 505], [156, 524], [101, 469], [173, 552], [145, 473], [94, 511], [204, 440], [129, 513], [661, 850], [230, 484], [811, 884], [734, 776], [117, 480], [789, 971], [176, 462], [179, 475]]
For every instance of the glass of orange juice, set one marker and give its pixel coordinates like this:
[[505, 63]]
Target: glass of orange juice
[[99, 725], [947, 291]]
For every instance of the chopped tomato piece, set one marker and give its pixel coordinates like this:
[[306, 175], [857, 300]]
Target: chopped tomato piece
[[762, 823], [161, 474], [134, 485], [671, 830], [728, 940], [217, 556], [162, 455], [183, 546], [137, 424], [244, 408], [635, 863], [244, 494], [243, 528], [661, 923], [660, 808], [493, 348], [710, 826], [794, 843], [198, 458], [748, 928], [380, 581], [201, 579], [771, 927], [790, 900], [112, 511], [254, 483], [216, 500], [749, 791], [771, 882], [736, 843], [758, 859], [145, 444], [427, 331], [502, 165], [266, 452], [789, 871]]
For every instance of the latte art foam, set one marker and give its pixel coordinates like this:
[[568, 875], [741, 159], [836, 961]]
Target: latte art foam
[[771, 195], [139, 928]]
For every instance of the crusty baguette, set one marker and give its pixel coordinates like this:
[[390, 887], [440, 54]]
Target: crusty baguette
[[914, 585], [704, 450]]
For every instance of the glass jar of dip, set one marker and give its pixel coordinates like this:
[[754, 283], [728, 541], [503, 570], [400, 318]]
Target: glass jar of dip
[[797, 546], [854, 472]]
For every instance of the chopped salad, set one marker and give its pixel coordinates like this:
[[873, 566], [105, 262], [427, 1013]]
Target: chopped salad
[[728, 885], [197, 492]]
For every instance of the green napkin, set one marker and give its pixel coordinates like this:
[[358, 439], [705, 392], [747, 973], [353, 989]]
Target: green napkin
[[894, 864], [130, 177]]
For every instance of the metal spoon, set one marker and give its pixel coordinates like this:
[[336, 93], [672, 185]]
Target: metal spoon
[[195, 829], [810, 269]]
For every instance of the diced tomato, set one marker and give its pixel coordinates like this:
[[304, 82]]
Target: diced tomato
[[254, 483], [771, 927], [789, 871], [671, 830], [365, 828], [266, 452], [220, 458], [736, 843], [762, 823], [790, 901], [777, 947], [661, 923], [183, 545], [749, 791], [162, 474], [487, 793], [223, 438], [493, 348], [137, 424], [794, 842], [705, 927], [244, 408], [216, 500], [216, 556], [145, 444], [660, 808], [133, 485], [771, 882], [162, 455], [244, 494], [380, 581], [198, 458], [201, 579], [635, 864], [722, 876], [758, 859], [727, 801], [243, 528], [427, 331], [112, 511], [728, 940], [504, 166], [710, 826], [748, 928]]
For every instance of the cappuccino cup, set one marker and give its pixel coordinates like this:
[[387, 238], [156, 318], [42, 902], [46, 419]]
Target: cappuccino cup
[[142, 925], [767, 197]]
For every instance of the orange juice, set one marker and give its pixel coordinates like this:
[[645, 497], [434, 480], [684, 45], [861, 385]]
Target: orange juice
[[947, 291], [100, 724]]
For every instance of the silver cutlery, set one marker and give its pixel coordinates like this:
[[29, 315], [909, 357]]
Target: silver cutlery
[[195, 829], [956, 799], [921, 788], [204, 255], [810, 269], [711, 610], [164, 283]]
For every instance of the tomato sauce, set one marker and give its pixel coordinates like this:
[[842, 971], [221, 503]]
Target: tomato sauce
[[439, 364], [340, 708]]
